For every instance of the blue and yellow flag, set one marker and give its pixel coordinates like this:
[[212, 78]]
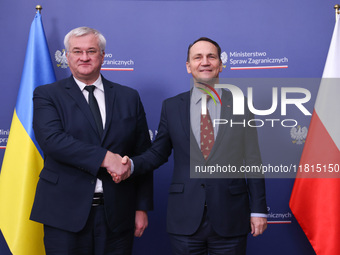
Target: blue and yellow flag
[[23, 159]]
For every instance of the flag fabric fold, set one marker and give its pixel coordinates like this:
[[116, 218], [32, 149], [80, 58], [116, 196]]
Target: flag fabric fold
[[315, 202], [23, 160]]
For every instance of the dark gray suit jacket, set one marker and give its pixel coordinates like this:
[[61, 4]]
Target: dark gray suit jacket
[[230, 199]]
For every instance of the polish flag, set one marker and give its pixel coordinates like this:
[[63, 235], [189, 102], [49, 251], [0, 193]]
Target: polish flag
[[315, 199]]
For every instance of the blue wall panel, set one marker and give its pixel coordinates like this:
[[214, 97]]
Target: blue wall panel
[[151, 38]]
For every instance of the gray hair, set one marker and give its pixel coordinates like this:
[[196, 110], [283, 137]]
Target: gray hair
[[81, 31]]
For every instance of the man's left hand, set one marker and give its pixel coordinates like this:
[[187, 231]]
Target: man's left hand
[[141, 222], [258, 225]]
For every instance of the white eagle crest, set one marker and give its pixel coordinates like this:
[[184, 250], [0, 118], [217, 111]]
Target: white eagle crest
[[151, 134], [298, 134], [60, 57], [224, 58]]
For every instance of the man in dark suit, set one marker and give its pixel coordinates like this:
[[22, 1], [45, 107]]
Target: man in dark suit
[[207, 213], [79, 122]]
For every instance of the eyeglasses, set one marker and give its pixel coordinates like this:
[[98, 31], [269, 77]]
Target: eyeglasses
[[79, 53]]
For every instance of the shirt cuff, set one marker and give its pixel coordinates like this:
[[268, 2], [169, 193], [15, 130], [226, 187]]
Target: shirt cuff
[[262, 215], [132, 166]]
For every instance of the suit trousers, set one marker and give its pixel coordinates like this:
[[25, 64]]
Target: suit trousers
[[206, 241], [95, 239]]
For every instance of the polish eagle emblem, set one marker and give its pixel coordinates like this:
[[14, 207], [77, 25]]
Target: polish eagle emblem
[[224, 58], [152, 135], [60, 57], [298, 134]]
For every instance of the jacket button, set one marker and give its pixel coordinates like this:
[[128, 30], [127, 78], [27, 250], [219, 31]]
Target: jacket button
[[202, 185], [93, 181]]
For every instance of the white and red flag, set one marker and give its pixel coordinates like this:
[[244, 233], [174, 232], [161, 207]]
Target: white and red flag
[[315, 199]]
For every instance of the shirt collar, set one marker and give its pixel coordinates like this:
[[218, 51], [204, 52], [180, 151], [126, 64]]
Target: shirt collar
[[98, 83]]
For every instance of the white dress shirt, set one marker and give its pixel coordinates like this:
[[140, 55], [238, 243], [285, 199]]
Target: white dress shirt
[[100, 97]]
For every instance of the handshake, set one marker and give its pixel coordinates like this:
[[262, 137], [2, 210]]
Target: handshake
[[119, 168]]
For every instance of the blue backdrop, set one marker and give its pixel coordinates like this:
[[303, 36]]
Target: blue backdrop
[[146, 49]]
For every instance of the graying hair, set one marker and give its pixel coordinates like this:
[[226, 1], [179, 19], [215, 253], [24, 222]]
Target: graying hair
[[81, 31]]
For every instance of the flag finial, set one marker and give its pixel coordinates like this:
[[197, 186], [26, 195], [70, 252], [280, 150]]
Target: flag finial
[[38, 8]]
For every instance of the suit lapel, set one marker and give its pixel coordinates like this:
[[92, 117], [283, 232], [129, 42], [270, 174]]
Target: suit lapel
[[110, 96], [184, 110], [184, 113], [226, 112], [73, 90]]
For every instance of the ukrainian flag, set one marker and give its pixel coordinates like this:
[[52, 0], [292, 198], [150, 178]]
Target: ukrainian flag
[[23, 159]]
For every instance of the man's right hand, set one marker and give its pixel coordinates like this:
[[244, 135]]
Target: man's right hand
[[113, 164]]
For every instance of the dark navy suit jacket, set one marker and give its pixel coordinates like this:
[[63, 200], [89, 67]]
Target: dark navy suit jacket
[[73, 152], [230, 199]]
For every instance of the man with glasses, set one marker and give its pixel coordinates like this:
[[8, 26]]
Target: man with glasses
[[79, 123]]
